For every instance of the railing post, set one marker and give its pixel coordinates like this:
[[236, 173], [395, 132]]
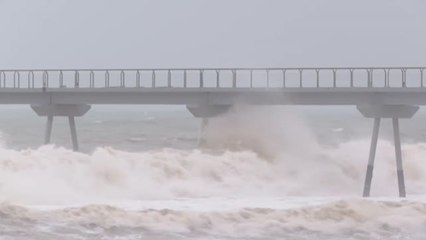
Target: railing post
[[76, 79], [16, 77], [267, 78], [169, 78], [92, 79], [421, 77], [387, 78], [352, 77], [138, 79], [334, 78], [61, 79], [300, 78], [45, 79], [284, 80], [318, 77], [404, 78], [217, 78], [234, 78], [107, 79], [122, 79], [251, 78], [30, 79], [185, 78], [370, 81], [201, 78], [153, 78]]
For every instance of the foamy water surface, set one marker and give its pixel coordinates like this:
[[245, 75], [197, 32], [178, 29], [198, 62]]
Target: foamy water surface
[[256, 178]]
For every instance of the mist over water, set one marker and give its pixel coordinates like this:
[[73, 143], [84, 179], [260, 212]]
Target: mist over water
[[264, 172]]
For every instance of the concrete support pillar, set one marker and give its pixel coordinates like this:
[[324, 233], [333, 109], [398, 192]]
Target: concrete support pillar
[[370, 166], [48, 132], [386, 111], [61, 110], [398, 155], [73, 133], [202, 137]]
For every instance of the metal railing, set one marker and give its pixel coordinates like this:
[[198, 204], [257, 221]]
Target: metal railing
[[334, 77]]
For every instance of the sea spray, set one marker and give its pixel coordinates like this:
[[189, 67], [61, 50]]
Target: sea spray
[[268, 131]]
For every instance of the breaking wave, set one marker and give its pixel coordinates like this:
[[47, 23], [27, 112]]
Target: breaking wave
[[50, 175], [247, 156]]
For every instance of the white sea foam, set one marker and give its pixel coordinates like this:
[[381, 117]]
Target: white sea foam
[[349, 219], [249, 156], [57, 175]]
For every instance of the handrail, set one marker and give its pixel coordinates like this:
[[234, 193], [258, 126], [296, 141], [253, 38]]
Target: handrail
[[291, 77], [207, 69]]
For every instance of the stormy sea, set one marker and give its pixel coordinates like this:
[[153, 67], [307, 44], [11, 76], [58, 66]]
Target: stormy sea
[[254, 173]]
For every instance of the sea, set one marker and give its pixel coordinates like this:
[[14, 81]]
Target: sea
[[254, 173]]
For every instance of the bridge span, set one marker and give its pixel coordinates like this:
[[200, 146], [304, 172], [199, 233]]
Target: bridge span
[[378, 92], [260, 86]]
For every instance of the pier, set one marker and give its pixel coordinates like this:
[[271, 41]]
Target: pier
[[377, 92]]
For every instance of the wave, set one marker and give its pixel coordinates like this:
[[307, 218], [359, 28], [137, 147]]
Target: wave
[[349, 219], [251, 152], [51, 175]]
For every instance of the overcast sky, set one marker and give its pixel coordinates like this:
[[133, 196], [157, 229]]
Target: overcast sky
[[215, 33]]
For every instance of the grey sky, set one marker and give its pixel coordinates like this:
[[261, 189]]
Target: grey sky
[[192, 33]]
